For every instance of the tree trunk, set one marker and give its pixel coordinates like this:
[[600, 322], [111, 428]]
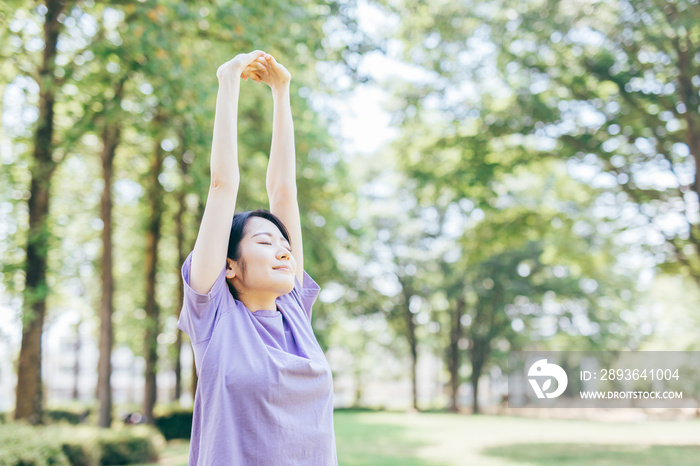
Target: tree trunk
[[195, 379], [410, 327], [29, 390], [76, 366], [453, 359], [155, 202], [359, 386], [110, 140], [413, 345], [180, 237], [478, 359], [475, 389]]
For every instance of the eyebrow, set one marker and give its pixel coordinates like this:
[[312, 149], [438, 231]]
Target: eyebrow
[[270, 235]]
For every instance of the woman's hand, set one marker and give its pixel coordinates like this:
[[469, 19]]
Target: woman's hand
[[255, 70], [238, 65], [266, 69]]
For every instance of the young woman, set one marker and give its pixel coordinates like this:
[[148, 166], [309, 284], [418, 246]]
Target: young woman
[[265, 390]]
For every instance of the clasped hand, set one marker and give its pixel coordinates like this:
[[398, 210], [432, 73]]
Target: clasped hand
[[258, 66]]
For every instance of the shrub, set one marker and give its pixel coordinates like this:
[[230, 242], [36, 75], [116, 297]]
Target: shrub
[[128, 446], [80, 452], [71, 416], [25, 445], [175, 424]]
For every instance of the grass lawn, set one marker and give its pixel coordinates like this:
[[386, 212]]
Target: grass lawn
[[436, 439]]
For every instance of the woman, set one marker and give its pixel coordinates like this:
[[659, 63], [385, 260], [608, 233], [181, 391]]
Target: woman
[[265, 390]]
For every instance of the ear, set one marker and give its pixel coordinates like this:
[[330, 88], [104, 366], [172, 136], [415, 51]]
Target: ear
[[231, 268]]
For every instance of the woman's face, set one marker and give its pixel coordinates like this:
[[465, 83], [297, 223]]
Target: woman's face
[[269, 264]]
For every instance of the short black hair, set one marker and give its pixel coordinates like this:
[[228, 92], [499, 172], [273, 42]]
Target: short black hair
[[238, 230]]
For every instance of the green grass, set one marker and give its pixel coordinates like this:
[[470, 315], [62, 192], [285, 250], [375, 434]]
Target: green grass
[[439, 439], [364, 438], [577, 454], [489, 440]]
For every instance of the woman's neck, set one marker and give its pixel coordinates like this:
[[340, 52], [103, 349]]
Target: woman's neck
[[258, 303]]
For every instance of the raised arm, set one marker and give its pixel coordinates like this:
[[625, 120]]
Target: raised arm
[[209, 254], [281, 171]]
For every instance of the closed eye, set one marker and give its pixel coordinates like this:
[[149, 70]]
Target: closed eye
[[270, 244], [288, 249]]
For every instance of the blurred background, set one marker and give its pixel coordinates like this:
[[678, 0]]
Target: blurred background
[[475, 177]]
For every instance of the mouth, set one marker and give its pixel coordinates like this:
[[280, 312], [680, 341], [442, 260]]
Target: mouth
[[284, 268]]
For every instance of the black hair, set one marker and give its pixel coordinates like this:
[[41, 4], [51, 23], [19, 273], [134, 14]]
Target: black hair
[[238, 230]]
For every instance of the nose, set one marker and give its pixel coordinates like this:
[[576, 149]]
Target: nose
[[284, 254]]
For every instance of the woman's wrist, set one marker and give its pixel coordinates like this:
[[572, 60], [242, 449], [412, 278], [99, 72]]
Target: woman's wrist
[[229, 73], [230, 79], [281, 91]]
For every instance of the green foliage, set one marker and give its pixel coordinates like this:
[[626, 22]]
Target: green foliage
[[34, 453], [80, 453], [357, 409], [616, 88], [65, 415], [127, 447], [78, 446], [492, 207], [175, 424], [148, 69], [24, 445], [522, 98]]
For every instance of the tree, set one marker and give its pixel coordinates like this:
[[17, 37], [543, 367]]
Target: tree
[[140, 79], [29, 391], [110, 140], [171, 72], [616, 86], [56, 135], [470, 143]]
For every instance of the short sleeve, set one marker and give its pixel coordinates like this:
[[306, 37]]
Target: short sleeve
[[305, 293], [200, 312]]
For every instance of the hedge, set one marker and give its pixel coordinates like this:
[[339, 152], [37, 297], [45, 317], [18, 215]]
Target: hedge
[[176, 423], [25, 445], [66, 414]]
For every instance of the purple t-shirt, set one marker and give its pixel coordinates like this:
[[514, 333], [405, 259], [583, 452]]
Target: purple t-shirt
[[265, 390]]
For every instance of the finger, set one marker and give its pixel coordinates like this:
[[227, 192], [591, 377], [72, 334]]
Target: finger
[[253, 75], [253, 67], [272, 62], [256, 65], [261, 64], [252, 56], [259, 68], [246, 59]]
